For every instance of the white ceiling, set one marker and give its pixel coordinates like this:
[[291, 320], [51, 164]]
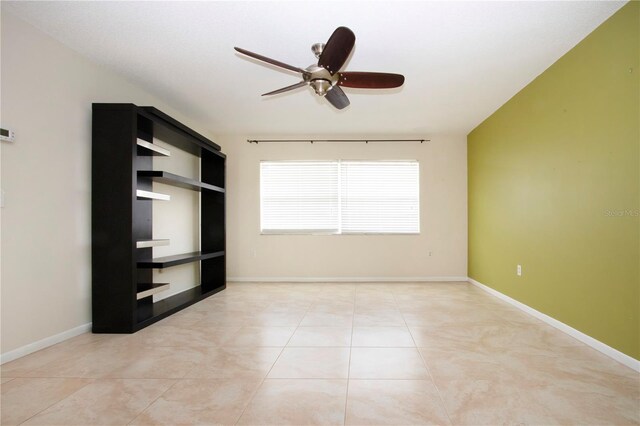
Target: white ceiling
[[461, 60]]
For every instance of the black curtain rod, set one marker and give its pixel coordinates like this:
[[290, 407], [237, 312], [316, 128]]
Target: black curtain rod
[[256, 141]]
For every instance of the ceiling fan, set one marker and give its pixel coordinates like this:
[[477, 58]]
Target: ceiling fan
[[325, 78]]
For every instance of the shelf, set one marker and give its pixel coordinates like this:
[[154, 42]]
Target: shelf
[[149, 289], [147, 314], [183, 182], [178, 259], [195, 137], [151, 243], [152, 195], [153, 148]]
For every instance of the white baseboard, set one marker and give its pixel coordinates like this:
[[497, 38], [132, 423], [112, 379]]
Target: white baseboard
[[588, 340], [343, 279], [44, 343]]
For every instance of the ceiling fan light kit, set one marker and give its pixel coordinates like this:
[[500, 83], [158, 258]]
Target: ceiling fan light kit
[[325, 78]]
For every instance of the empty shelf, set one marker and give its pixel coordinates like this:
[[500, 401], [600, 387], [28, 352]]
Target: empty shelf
[[152, 312], [175, 126], [151, 243], [155, 149], [149, 289], [152, 195], [176, 180], [178, 259]]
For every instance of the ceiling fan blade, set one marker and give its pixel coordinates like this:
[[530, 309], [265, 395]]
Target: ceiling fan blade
[[337, 50], [337, 98], [270, 61], [286, 89], [370, 80]]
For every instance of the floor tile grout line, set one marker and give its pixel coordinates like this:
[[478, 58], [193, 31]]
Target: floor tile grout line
[[426, 366], [46, 364], [342, 379], [271, 368], [176, 381], [390, 379], [51, 405], [444, 407], [346, 397], [250, 399], [253, 395]]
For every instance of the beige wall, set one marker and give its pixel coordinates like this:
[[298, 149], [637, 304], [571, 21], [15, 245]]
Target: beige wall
[[443, 211], [47, 91]]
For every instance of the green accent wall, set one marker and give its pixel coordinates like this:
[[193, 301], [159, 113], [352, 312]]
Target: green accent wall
[[554, 185]]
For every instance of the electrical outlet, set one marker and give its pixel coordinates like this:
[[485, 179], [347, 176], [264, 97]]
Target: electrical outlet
[[7, 135], [519, 270]]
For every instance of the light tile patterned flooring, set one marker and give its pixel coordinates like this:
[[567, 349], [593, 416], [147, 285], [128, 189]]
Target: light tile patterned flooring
[[357, 354]]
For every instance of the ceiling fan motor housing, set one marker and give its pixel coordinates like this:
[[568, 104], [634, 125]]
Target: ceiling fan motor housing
[[320, 79], [321, 86]]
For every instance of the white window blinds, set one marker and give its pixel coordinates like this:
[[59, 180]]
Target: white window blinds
[[380, 197], [339, 197], [299, 197]]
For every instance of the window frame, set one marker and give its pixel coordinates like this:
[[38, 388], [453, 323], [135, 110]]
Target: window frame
[[339, 230]]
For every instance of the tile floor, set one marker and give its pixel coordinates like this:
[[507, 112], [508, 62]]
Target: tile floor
[[302, 354]]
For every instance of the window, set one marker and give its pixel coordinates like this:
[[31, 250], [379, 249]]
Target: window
[[339, 197], [299, 197]]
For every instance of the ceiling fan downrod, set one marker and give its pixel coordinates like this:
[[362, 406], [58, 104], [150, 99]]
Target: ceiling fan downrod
[[317, 49]]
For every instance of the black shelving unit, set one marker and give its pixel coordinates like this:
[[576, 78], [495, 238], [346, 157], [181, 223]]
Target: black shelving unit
[[122, 240]]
